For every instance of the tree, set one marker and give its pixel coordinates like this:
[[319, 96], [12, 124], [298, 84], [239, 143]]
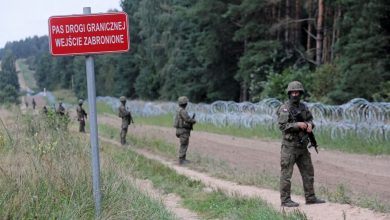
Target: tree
[[9, 85], [364, 50]]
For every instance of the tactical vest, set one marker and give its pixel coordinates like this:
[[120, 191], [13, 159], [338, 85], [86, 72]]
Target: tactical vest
[[296, 114], [179, 122]]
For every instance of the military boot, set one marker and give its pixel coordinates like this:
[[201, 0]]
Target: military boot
[[185, 159], [315, 201], [290, 203]]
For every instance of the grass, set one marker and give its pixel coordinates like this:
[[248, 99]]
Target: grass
[[27, 74], [66, 96], [220, 169], [210, 205], [103, 108], [45, 174]]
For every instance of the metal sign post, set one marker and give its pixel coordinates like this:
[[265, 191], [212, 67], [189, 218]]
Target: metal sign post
[[89, 34], [90, 69]]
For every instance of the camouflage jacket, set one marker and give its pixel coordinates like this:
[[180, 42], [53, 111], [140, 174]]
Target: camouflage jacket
[[125, 115], [288, 116], [81, 114], [183, 120], [61, 110]]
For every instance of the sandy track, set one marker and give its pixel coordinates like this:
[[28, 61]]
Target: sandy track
[[362, 174], [325, 211]]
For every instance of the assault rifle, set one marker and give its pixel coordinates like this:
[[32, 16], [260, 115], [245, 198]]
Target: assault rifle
[[192, 125], [312, 139], [129, 117]]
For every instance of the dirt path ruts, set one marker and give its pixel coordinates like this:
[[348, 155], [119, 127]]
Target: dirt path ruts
[[325, 211], [171, 200], [360, 173]]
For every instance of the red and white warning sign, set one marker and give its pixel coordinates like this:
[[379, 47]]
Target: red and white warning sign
[[89, 34]]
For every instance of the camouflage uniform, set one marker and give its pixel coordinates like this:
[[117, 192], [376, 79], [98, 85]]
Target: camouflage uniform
[[60, 109], [294, 147], [81, 116], [34, 103], [183, 124], [126, 119], [44, 109]]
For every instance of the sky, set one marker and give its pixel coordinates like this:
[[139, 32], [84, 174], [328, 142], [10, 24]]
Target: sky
[[20, 19]]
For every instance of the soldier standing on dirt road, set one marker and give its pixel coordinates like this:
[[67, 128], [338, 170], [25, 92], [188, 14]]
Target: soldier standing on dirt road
[[81, 116], [183, 124], [127, 119], [34, 103], [294, 147]]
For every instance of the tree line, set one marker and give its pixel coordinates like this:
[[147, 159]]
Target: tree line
[[9, 85], [241, 50]]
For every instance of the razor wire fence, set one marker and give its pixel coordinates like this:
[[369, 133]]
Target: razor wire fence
[[358, 117]]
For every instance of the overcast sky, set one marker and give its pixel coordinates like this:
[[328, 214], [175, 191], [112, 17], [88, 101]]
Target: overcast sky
[[25, 18]]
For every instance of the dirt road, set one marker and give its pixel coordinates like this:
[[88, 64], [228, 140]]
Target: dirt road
[[362, 174]]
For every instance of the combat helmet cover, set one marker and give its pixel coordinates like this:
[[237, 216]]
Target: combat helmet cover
[[122, 98], [295, 86], [183, 100]]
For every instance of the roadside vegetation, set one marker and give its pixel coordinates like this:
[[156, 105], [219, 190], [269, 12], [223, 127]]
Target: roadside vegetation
[[45, 174], [66, 96], [208, 204]]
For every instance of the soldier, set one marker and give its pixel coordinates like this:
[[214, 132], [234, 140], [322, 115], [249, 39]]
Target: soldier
[[183, 124], [126, 119], [44, 110], [81, 116], [295, 119], [60, 109], [34, 103]]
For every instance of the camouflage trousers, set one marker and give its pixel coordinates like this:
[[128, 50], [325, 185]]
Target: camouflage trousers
[[123, 134], [82, 125], [301, 157], [184, 141]]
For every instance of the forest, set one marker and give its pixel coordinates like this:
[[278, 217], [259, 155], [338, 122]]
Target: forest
[[240, 50]]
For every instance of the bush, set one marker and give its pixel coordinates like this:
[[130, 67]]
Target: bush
[[276, 84]]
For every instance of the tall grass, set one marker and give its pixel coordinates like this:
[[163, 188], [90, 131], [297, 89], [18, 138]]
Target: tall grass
[[45, 174], [66, 96], [210, 205]]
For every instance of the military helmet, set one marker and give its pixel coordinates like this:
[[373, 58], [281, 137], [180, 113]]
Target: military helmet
[[81, 101], [122, 99], [295, 86], [183, 100]]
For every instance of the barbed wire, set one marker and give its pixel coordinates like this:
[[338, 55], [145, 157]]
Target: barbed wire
[[358, 117]]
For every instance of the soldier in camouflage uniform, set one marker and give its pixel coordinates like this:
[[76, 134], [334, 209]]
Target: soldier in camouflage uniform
[[60, 109], [294, 119], [81, 116], [183, 124], [126, 119], [34, 103]]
